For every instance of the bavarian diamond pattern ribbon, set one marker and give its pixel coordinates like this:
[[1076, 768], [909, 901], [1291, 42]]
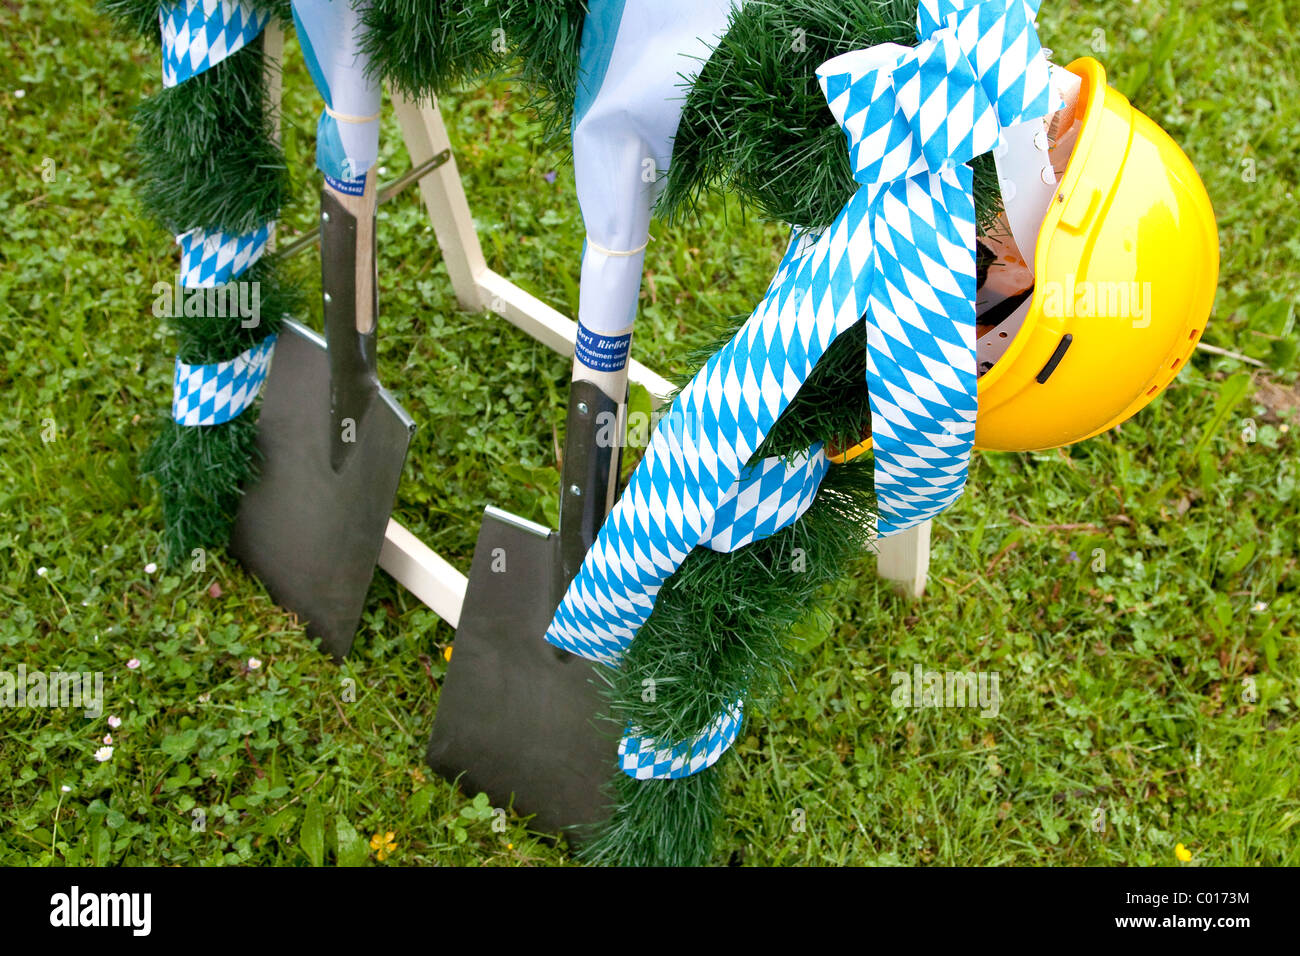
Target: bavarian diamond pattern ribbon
[[199, 34], [214, 394], [978, 67], [642, 758], [196, 36], [211, 259], [771, 495], [901, 252]]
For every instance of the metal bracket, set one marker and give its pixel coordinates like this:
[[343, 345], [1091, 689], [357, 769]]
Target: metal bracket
[[590, 470]]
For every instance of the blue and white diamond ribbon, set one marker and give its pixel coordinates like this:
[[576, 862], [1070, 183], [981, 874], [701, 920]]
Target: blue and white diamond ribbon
[[770, 495], [642, 758], [214, 394], [199, 34], [900, 252], [214, 258], [196, 36]]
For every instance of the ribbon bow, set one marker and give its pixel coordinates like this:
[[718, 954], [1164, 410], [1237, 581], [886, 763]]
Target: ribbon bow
[[901, 253]]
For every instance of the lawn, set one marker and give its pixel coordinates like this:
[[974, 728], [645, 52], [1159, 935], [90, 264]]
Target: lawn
[[1135, 594]]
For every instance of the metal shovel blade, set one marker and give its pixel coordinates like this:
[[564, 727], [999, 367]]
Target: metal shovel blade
[[310, 533], [517, 718]]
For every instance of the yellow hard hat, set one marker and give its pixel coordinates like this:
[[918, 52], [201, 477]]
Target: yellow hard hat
[[1130, 223]]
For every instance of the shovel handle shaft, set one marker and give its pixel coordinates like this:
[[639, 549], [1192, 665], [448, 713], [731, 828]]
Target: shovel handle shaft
[[362, 207]]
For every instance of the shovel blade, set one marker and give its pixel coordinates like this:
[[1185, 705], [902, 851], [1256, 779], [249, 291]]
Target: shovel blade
[[519, 719], [312, 534]]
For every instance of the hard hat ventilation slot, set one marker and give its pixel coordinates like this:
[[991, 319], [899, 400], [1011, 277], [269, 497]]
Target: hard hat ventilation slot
[[1061, 348]]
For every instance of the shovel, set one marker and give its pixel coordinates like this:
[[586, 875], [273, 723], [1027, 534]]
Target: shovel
[[332, 440], [517, 718]]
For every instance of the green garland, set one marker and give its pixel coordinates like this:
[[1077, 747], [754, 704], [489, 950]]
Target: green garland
[[206, 153], [721, 625], [208, 160], [432, 47], [721, 628], [200, 469]]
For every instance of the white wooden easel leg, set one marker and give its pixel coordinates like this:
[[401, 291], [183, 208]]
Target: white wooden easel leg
[[273, 58], [905, 559], [415, 566], [444, 197]]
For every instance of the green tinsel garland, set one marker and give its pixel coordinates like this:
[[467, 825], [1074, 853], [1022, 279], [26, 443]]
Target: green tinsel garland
[[721, 625], [759, 590], [425, 47], [208, 159], [200, 469]]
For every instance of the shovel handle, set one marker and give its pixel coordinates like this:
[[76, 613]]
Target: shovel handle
[[362, 207]]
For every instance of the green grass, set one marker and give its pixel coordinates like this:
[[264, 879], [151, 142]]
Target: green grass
[[1162, 690]]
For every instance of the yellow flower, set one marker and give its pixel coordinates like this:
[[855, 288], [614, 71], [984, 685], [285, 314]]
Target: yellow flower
[[1183, 853], [383, 844], [446, 654]]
